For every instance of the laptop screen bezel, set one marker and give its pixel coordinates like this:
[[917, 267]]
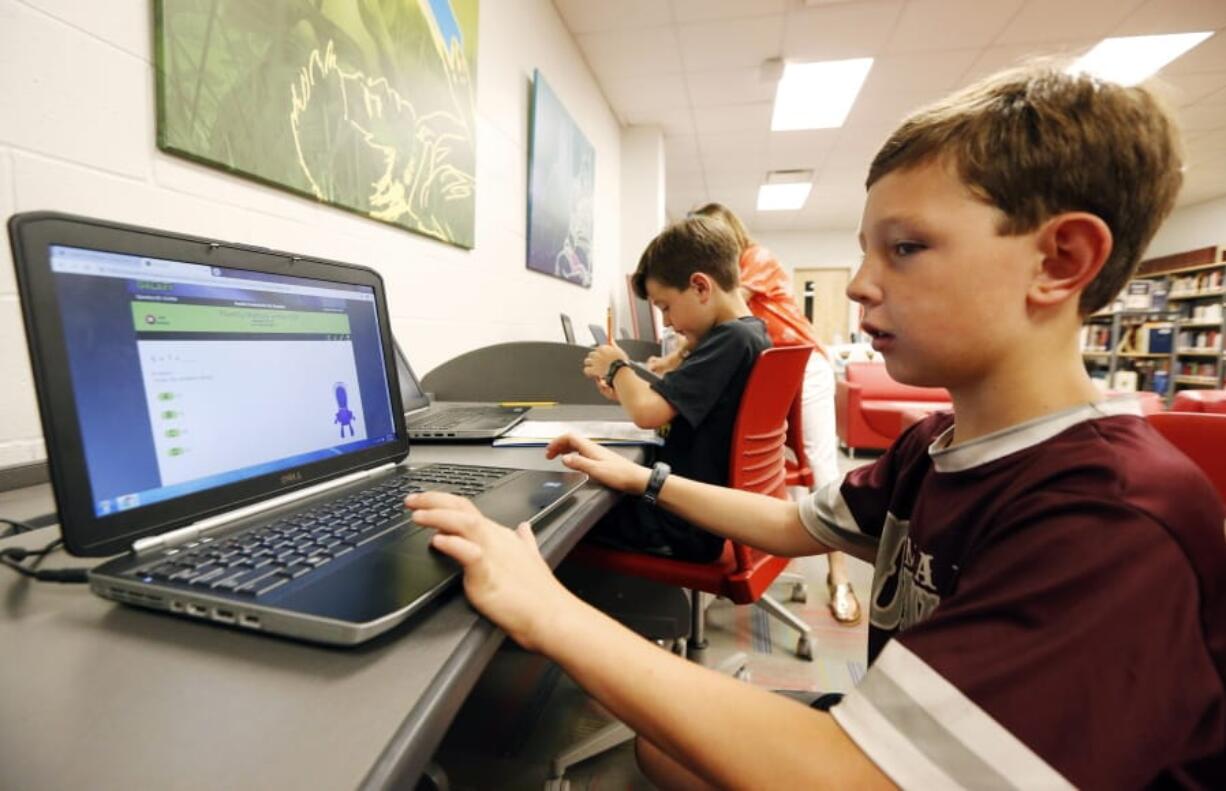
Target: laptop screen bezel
[[32, 237]]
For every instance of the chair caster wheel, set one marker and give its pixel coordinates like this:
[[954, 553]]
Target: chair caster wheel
[[800, 593], [804, 648]]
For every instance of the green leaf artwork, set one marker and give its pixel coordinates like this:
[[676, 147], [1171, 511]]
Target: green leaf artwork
[[368, 105]]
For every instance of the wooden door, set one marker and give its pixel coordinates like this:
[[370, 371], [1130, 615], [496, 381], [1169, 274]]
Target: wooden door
[[822, 294]]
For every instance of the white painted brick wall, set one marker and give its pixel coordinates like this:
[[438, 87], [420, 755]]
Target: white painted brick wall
[[77, 134]]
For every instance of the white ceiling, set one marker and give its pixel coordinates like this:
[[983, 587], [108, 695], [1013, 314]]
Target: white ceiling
[[693, 68]]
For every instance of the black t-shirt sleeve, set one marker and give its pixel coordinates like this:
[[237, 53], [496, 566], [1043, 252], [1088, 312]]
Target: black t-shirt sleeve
[[694, 388]]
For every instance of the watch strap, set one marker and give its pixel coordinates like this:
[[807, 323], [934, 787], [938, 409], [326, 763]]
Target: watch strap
[[655, 482], [611, 374]]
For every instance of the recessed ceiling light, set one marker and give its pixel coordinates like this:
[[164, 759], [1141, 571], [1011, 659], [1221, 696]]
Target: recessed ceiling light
[[1129, 60], [783, 197], [818, 95]]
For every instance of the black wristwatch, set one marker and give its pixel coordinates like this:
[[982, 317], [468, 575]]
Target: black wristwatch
[[611, 374], [660, 471]]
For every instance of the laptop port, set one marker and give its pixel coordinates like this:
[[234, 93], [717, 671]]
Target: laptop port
[[177, 606], [197, 610], [250, 621], [225, 616]]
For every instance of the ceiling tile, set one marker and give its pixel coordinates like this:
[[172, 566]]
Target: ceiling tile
[[801, 149], [698, 10], [675, 121], [632, 53], [927, 25], [848, 30], [928, 71], [734, 118], [636, 95], [1181, 16], [1093, 19], [728, 43], [994, 59], [1186, 89], [1200, 117], [729, 86], [584, 16]]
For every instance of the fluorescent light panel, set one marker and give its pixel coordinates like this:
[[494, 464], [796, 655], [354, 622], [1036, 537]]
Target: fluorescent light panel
[[817, 95], [1129, 60], [783, 197]]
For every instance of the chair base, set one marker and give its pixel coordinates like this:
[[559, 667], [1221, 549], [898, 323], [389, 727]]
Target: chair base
[[804, 643]]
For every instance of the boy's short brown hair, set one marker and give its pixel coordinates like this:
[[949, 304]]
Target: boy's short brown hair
[[1037, 141], [695, 244]]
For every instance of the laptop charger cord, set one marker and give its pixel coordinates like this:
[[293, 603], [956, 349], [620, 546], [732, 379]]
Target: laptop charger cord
[[12, 557]]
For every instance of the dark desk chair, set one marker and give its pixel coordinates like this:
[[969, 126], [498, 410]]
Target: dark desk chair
[[1201, 436], [519, 371], [638, 350]]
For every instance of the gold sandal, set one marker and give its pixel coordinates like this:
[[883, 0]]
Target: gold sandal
[[843, 604]]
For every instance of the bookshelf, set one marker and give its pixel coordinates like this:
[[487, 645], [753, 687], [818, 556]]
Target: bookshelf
[[1185, 293]]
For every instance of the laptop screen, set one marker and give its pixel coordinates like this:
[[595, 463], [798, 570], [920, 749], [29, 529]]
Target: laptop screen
[[190, 377]]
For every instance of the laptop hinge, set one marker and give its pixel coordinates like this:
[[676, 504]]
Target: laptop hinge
[[196, 530]]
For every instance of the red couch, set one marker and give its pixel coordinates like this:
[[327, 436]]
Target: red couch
[[1200, 401], [869, 405]]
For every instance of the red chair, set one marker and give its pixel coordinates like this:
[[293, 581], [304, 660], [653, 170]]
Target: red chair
[[1200, 401], [869, 405], [1201, 437], [741, 574]]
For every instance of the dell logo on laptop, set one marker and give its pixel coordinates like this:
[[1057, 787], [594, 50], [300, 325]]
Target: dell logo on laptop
[[291, 477]]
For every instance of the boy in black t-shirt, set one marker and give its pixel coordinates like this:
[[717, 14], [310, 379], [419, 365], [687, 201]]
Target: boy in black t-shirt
[[689, 272]]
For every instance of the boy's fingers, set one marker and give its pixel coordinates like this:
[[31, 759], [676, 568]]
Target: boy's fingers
[[524, 531], [450, 521], [462, 550], [438, 500], [559, 445]]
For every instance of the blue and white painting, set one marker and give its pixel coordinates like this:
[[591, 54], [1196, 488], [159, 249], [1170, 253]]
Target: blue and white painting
[[561, 190]]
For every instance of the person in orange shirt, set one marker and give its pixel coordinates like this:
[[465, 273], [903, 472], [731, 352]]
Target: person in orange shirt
[[767, 288]]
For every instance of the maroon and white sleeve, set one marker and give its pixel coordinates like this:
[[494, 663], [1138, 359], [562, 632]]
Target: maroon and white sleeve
[[1066, 655]]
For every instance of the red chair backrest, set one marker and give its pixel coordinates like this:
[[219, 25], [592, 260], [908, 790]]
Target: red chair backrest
[[756, 462], [1201, 437]]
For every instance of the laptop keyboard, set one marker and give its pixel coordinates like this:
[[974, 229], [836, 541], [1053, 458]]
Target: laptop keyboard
[[260, 560], [450, 417]]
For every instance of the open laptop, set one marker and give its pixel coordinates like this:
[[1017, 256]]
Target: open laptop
[[568, 329], [449, 421], [226, 417], [598, 334]]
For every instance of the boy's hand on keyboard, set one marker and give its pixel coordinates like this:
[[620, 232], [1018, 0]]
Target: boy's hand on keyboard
[[505, 576], [602, 464]]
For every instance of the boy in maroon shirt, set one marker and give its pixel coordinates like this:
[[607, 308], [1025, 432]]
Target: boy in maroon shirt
[[1049, 598]]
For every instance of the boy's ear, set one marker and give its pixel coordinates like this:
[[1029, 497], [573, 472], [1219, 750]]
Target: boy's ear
[[702, 285], [1074, 247]]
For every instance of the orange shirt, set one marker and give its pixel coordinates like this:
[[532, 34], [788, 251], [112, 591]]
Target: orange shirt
[[771, 299]]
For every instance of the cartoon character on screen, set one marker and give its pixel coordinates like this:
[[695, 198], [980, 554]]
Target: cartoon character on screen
[[344, 415]]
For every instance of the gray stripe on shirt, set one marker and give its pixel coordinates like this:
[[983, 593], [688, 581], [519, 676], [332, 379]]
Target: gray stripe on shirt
[[928, 734]]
